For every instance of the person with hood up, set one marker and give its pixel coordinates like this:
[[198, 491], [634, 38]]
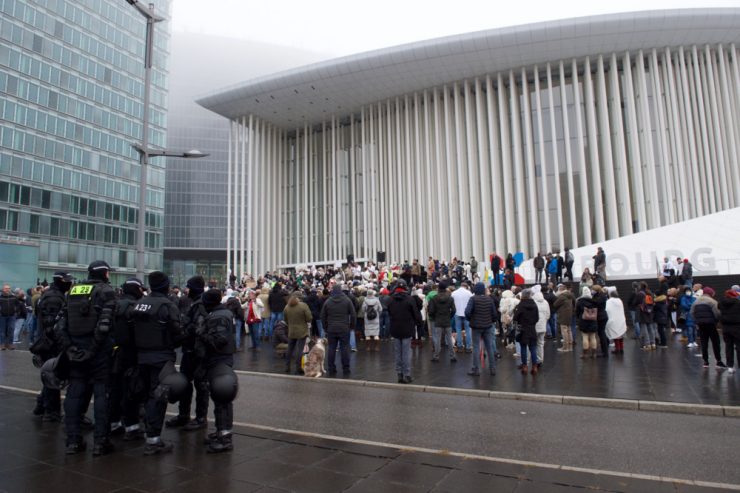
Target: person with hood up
[[372, 310], [298, 317], [506, 308], [564, 304], [481, 314], [441, 310], [706, 314], [338, 316], [729, 308], [586, 314], [543, 308], [404, 315], [616, 325], [526, 315]]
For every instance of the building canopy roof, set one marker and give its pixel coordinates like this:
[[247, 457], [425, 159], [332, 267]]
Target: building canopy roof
[[313, 93]]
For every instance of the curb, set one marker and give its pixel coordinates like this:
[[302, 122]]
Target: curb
[[625, 404]]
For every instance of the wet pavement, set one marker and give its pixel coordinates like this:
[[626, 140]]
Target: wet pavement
[[33, 460], [673, 374]]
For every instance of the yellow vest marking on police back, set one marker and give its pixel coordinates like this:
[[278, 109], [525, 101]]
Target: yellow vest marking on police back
[[82, 289]]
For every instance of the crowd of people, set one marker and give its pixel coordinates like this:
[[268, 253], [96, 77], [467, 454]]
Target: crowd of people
[[449, 308], [119, 344]]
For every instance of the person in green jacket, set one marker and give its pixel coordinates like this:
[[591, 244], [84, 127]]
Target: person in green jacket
[[298, 317]]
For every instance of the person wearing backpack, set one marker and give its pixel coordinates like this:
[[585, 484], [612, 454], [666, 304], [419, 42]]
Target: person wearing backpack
[[587, 313], [372, 309], [646, 306], [706, 315]]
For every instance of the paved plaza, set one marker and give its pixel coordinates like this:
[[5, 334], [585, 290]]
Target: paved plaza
[[674, 374]]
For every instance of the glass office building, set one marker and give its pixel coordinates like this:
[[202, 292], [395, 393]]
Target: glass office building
[[71, 106]]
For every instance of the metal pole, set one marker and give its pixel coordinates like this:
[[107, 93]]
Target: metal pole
[[144, 153]]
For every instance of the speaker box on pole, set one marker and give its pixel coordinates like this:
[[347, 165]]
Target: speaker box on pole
[[380, 256], [350, 259]]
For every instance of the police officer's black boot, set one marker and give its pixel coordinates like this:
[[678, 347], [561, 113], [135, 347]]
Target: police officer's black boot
[[222, 443], [75, 446], [157, 447], [102, 448], [177, 421], [196, 424]]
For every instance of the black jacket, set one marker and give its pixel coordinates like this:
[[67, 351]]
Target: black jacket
[[730, 315], [660, 312], [480, 312], [276, 300], [441, 309], [526, 314], [600, 300], [404, 315], [586, 326], [8, 303], [338, 314]]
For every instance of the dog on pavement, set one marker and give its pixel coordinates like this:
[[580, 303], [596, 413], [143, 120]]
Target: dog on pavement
[[314, 366]]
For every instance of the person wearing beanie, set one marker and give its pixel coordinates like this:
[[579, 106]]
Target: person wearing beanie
[[338, 316], [404, 317], [706, 314], [84, 333], [124, 407], [481, 314], [51, 302], [586, 316], [217, 342], [298, 317], [157, 332], [729, 308], [193, 319]]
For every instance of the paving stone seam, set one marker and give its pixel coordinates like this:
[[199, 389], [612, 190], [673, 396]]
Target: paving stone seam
[[543, 465], [628, 404]]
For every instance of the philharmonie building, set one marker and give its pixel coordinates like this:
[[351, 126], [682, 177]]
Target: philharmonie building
[[619, 131]]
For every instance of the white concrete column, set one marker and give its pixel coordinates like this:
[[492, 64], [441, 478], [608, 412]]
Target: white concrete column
[[531, 175], [572, 217]]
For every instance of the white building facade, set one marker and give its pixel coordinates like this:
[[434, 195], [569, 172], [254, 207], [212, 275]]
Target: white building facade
[[531, 138]]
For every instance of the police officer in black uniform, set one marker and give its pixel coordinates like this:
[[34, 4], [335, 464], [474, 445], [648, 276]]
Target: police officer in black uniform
[[157, 332], [83, 330], [216, 342], [124, 406], [48, 308], [194, 317]]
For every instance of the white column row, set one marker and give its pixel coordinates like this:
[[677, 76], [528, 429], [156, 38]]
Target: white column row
[[568, 153]]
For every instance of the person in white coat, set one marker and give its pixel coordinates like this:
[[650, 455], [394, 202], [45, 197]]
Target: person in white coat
[[506, 309], [616, 326], [543, 307]]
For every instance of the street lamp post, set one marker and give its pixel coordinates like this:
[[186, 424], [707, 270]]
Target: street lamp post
[[151, 19], [144, 150]]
